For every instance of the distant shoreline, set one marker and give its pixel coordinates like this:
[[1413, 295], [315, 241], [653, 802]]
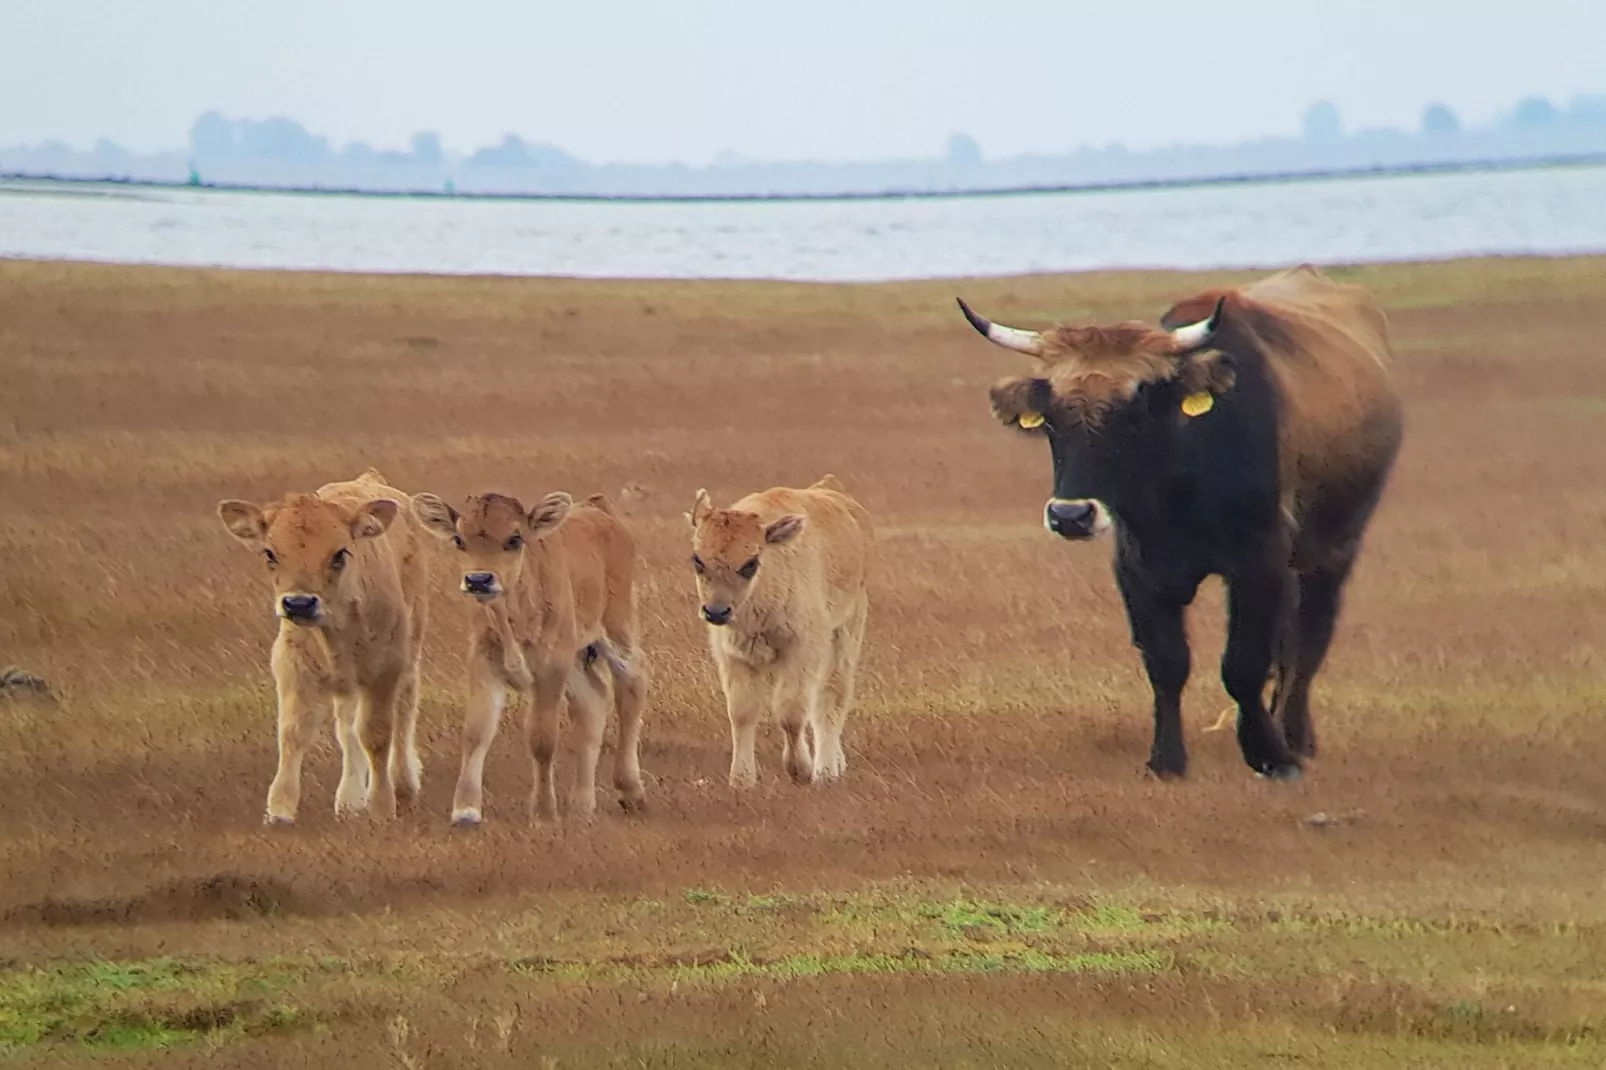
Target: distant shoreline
[[9, 185]]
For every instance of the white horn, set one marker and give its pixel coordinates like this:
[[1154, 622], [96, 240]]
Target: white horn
[[1008, 337], [1195, 335]]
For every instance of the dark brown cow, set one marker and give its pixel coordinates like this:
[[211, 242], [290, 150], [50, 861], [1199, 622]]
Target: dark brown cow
[[1251, 438]]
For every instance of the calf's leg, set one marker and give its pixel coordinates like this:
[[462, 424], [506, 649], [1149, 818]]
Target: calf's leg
[[356, 777], [588, 719], [298, 724], [541, 728], [487, 696], [630, 678]]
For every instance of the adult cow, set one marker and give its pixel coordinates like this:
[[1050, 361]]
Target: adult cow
[[1249, 437]]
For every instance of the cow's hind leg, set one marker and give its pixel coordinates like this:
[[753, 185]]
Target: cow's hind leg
[[1320, 598], [376, 724], [830, 762], [1255, 617], [630, 679], [588, 719], [795, 697], [487, 696], [541, 728], [1158, 633], [406, 768]]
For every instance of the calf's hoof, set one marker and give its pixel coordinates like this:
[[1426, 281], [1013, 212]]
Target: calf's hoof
[[278, 821], [466, 818]]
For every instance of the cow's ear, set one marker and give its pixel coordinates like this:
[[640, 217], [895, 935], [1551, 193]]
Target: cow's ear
[[548, 513], [374, 518], [1209, 371], [243, 520], [1021, 402], [701, 506], [434, 515], [785, 529]]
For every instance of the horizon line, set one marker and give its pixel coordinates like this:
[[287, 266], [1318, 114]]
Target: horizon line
[[1468, 166]]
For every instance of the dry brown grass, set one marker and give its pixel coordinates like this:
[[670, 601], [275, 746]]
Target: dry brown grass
[[997, 750]]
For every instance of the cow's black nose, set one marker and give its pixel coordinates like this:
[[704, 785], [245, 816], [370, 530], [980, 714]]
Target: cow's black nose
[[479, 581], [717, 614], [1073, 520], [300, 606]]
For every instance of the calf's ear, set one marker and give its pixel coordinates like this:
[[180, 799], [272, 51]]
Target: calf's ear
[[243, 520], [549, 512], [434, 515], [701, 506], [374, 518], [783, 530]]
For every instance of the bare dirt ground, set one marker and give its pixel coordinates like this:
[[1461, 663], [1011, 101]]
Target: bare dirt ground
[[996, 882]]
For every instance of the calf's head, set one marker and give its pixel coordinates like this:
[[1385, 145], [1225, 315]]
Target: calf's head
[[1107, 399], [307, 545], [728, 547], [491, 531]]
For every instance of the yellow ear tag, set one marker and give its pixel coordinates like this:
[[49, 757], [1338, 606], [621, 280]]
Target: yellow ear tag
[[1198, 404], [1030, 420]]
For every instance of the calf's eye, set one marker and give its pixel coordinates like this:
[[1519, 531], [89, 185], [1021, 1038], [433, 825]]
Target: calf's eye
[[272, 560], [697, 563], [457, 541], [338, 562], [747, 570], [514, 543]]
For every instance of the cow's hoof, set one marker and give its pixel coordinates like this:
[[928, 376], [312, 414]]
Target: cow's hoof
[[465, 819], [633, 804], [278, 821], [1168, 771], [1286, 774]]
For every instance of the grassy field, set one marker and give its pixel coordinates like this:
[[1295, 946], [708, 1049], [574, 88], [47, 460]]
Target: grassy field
[[995, 883]]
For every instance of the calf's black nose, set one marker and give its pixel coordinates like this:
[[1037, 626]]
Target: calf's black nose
[[1072, 519], [717, 614], [479, 581], [300, 606]]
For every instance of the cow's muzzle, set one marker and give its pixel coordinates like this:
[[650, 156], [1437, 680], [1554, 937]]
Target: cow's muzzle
[[717, 614], [482, 585], [301, 608], [1080, 518]]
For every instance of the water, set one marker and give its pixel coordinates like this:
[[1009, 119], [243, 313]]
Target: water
[[1555, 211]]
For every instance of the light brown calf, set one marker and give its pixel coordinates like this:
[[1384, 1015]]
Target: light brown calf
[[556, 584], [782, 576], [349, 586]]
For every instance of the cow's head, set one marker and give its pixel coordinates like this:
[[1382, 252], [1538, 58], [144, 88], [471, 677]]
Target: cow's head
[[491, 531], [1107, 399], [728, 547], [307, 544]]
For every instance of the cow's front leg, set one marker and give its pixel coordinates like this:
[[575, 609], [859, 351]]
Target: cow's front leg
[[1159, 635]]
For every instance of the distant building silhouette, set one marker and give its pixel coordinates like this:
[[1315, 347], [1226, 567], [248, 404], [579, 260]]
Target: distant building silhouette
[[1438, 120], [963, 151], [1322, 122]]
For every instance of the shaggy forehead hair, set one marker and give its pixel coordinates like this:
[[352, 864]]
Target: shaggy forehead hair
[[1089, 370], [724, 529]]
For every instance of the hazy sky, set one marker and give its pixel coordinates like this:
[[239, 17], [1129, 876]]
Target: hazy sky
[[823, 79]]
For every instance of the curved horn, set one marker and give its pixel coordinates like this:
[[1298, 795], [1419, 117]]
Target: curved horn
[[1008, 337], [1195, 335]]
